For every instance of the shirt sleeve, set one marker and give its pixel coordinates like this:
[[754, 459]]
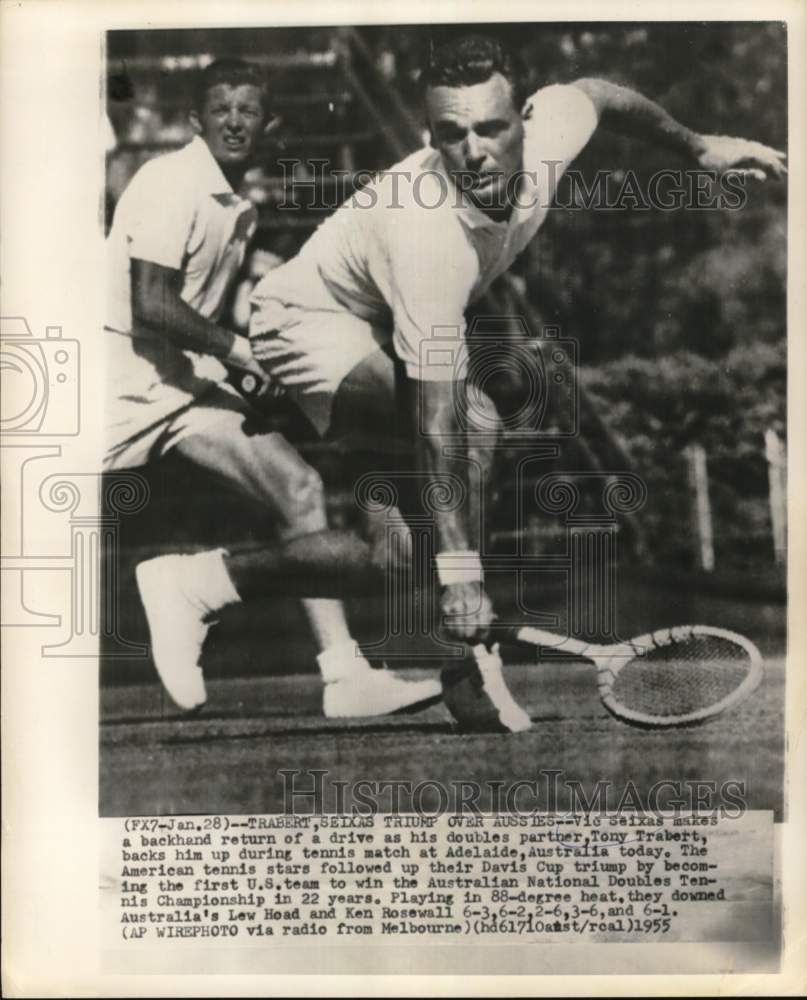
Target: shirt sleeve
[[157, 213], [432, 271], [560, 120]]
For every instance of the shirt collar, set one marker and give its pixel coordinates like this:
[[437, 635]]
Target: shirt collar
[[210, 175]]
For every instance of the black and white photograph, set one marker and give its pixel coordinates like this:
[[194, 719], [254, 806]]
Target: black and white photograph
[[443, 356], [408, 487]]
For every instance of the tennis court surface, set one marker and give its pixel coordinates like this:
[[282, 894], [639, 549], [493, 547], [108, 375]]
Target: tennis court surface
[[228, 758]]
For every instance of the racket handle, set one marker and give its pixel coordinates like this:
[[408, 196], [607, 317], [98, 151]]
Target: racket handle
[[251, 387], [498, 631], [528, 636]]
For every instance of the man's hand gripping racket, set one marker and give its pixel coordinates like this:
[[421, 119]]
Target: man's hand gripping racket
[[474, 689], [247, 375]]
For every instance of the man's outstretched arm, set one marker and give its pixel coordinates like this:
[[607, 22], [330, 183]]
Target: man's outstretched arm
[[440, 452], [628, 112]]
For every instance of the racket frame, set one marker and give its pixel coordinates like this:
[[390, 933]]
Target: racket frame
[[610, 659]]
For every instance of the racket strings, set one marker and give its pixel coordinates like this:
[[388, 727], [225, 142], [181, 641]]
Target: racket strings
[[683, 676]]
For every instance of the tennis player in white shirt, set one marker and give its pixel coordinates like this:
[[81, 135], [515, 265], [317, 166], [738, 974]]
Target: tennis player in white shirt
[[373, 308], [385, 281], [176, 244]]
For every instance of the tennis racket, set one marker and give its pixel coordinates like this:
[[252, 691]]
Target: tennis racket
[[671, 677]]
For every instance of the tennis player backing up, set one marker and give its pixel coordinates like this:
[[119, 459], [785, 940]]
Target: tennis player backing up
[[177, 241]]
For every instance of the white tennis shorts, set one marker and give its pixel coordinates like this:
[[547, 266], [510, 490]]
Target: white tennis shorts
[[220, 404], [310, 351]]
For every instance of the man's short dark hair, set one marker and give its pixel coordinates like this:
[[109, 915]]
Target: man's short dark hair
[[471, 59], [233, 72]]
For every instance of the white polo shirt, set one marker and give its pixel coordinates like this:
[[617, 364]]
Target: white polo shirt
[[178, 211], [410, 253]]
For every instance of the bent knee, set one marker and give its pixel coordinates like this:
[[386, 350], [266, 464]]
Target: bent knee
[[394, 549], [303, 499]]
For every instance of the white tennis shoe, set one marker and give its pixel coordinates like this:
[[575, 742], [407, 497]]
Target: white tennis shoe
[[354, 689], [180, 594], [177, 623], [478, 697], [511, 715], [377, 692]]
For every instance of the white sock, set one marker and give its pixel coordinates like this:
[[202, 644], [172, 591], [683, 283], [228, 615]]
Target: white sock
[[211, 581], [341, 661], [339, 656], [326, 616]]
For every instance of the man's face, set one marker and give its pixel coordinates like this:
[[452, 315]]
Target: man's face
[[231, 122], [480, 136]]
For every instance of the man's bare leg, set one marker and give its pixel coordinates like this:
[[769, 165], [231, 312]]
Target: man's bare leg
[[369, 407], [372, 396], [266, 468], [272, 473], [329, 562]]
